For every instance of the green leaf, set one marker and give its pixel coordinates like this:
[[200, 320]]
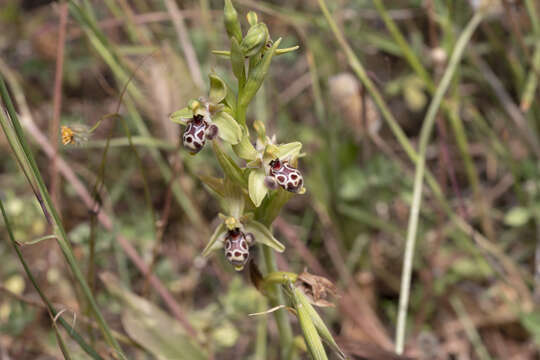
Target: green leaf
[[229, 167], [164, 337], [218, 89], [289, 151], [238, 63], [214, 243], [263, 235], [256, 187], [245, 149], [311, 335], [181, 116], [517, 216], [321, 327], [229, 130]]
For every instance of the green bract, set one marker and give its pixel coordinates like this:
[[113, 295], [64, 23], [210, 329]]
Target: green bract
[[232, 25]]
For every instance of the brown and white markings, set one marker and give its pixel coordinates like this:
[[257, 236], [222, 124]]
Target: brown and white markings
[[286, 176], [196, 133], [237, 247]]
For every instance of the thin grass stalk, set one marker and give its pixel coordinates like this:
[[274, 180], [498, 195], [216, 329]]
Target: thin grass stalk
[[470, 329], [54, 218], [450, 111], [425, 134], [74, 335]]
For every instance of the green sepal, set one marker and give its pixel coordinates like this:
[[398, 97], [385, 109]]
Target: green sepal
[[234, 199], [289, 150], [230, 99], [214, 183], [257, 189], [218, 89], [214, 243], [245, 149], [232, 25], [229, 167], [181, 116], [238, 63], [256, 77], [229, 130], [263, 235], [254, 40]]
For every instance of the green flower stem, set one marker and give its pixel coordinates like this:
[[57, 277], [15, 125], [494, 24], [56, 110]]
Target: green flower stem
[[425, 134], [53, 217], [280, 277]]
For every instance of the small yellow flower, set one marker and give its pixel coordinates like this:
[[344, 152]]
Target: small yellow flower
[[68, 137], [75, 134]]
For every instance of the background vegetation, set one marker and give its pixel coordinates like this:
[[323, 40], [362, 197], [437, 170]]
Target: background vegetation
[[356, 94]]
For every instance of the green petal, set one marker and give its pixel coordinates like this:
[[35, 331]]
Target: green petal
[[214, 242], [252, 18], [287, 50], [257, 189], [218, 89], [229, 130], [181, 116], [245, 149], [263, 235], [289, 151]]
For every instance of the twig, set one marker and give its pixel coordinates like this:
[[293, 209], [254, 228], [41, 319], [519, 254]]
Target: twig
[[185, 42]]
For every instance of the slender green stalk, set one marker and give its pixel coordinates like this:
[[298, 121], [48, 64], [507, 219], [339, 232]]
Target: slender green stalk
[[74, 335], [52, 215], [425, 134]]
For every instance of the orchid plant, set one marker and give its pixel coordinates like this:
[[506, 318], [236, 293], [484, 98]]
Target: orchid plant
[[258, 181]]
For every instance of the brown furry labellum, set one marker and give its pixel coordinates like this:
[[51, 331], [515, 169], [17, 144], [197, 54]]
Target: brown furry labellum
[[196, 133], [286, 176], [236, 247]]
